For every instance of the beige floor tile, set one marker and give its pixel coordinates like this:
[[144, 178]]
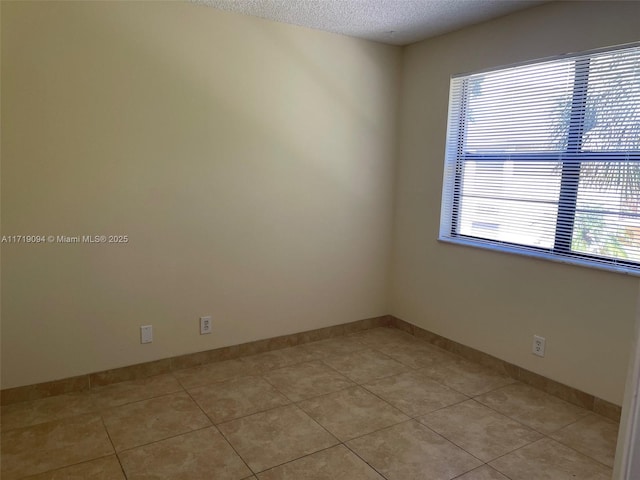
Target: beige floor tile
[[135, 390], [483, 473], [546, 459], [203, 454], [267, 361], [414, 393], [106, 468], [307, 380], [164, 433], [147, 421], [335, 463], [277, 436], [352, 412], [532, 407], [34, 412], [419, 354], [236, 398], [467, 377], [52, 445], [365, 365], [336, 346], [479, 430], [411, 451], [212, 372], [593, 435]]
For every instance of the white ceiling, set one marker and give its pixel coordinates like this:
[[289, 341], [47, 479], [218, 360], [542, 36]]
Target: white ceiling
[[396, 22]]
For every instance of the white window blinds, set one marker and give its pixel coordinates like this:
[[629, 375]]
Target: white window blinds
[[544, 159]]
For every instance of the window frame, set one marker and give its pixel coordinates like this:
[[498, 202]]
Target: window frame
[[561, 250]]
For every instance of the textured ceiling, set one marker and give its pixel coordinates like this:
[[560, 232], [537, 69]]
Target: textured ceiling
[[396, 22]]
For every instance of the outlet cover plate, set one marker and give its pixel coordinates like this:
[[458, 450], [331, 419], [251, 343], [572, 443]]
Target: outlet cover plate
[[146, 334], [205, 325], [538, 345]]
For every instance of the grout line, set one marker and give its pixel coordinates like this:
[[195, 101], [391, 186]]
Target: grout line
[[441, 435], [289, 402], [364, 434], [547, 437], [408, 420], [115, 452], [299, 458], [510, 417], [104, 425], [93, 411], [481, 466], [153, 397], [320, 425], [579, 452], [289, 461], [224, 437], [385, 400], [158, 440], [365, 461], [572, 447], [124, 474], [63, 467]]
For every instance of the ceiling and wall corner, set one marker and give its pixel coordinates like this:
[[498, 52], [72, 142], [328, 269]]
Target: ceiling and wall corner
[[394, 22]]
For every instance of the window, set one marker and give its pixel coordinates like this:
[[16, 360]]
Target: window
[[543, 159]]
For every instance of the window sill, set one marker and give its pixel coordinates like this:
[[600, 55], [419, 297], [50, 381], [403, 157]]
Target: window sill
[[623, 269]]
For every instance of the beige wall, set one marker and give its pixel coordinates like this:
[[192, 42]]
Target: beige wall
[[249, 162], [492, 301]]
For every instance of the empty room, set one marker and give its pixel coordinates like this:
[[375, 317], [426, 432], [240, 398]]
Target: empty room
[[320, 239]]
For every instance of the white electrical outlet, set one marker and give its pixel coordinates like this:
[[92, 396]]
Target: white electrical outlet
[[538, 345], [146, 334], [205, 325]]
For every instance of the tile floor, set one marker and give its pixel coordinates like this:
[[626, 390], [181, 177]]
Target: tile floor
[[378, 404]]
